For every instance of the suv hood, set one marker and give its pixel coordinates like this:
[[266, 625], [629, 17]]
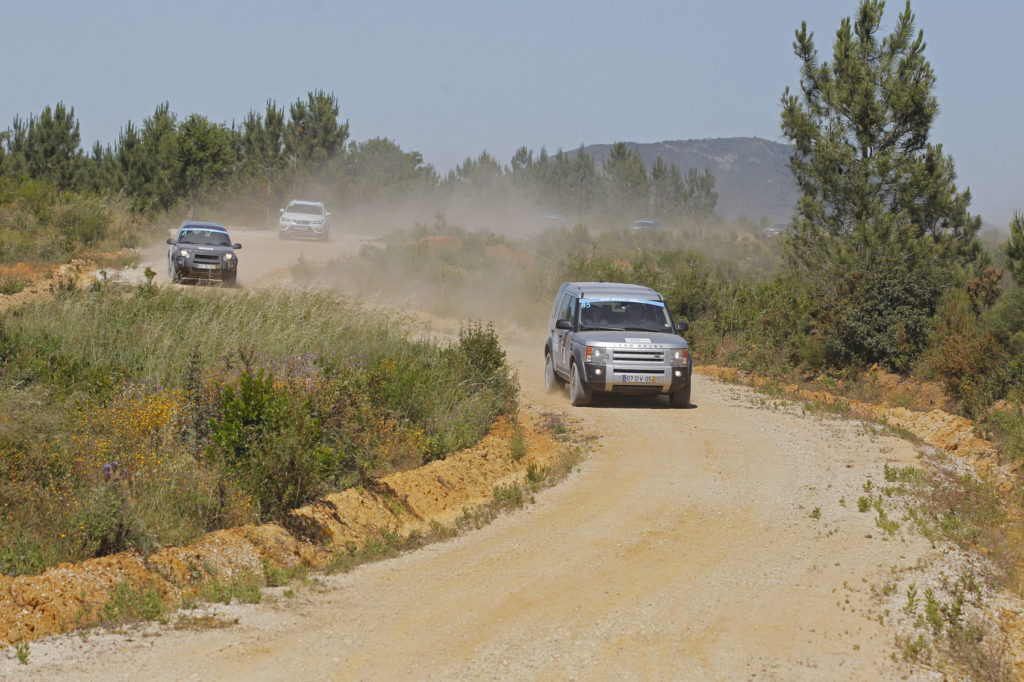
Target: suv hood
[[632, 338]]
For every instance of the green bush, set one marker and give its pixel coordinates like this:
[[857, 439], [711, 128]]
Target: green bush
[[270, 441], [127, 604], [322, 395], [103, 519], [38, 223], [967, 359]]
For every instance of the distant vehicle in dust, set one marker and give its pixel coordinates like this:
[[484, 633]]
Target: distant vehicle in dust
[[552, 221], [646, 224], [202, 252], [307, 219]]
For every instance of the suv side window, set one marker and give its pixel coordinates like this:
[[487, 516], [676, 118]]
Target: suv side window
[[565, 309], [555, 307]]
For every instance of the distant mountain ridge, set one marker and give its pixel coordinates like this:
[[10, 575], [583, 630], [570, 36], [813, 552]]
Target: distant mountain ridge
[[752, 174]]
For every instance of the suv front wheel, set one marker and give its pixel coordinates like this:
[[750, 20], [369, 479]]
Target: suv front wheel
[[552, 382], [680, 398], [579, 395]]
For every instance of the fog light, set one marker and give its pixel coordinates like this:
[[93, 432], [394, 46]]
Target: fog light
[[679, 372], [597, 371]]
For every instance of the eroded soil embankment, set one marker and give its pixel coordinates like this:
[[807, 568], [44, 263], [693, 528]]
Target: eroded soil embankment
[[71, 596]]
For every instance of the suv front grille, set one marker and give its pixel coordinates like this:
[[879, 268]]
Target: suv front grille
[[653, 355], [207, 258]]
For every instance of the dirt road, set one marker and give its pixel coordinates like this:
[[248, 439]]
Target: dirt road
[[717, 542]]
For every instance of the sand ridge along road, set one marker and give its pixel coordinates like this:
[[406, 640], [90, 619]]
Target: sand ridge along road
[[683, 547]]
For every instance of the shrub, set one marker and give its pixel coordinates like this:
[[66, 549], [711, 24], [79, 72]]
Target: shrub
[[128, 604], [967, 359], [38, 223], [271, 444], [148, 438]]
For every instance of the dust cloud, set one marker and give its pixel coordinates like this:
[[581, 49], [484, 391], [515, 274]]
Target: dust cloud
[[466, 253]]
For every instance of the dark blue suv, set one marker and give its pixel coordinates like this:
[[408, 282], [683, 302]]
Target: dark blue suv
[[202, 252]]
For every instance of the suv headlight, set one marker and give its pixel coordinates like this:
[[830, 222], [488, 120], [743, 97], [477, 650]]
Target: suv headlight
[[184, 253], [229, 256], [679, 356], [596, 354]]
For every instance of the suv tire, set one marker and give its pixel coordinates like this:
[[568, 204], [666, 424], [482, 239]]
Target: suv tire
[[680, 398], [579, 395], [552, 382]]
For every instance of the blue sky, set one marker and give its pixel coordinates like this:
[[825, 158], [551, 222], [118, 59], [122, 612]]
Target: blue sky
[[451, 78]]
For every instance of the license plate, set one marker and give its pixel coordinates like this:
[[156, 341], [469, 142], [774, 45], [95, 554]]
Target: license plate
[[204, 266], [638, 378]]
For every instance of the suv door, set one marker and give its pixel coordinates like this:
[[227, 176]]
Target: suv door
[[562, 352]]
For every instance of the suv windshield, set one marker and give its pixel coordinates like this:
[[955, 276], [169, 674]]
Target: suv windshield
[[310, 209], [623, 314], [204, 237]]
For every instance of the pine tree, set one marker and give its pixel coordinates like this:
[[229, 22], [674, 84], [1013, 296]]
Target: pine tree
[[263, 154], [880, 229], [313, 136], [627, 177], [1015, 248], [47, 147], [159, 166], [205, 158]]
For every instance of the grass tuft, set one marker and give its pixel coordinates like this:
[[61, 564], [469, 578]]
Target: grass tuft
[[128, 604]]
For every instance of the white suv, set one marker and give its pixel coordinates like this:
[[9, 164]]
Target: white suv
[[304, 219]]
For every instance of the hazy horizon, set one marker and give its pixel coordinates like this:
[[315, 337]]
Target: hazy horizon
[[453, 79]]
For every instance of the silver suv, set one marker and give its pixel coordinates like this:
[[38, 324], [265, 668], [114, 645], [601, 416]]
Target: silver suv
[[304, 219], [615, 338]]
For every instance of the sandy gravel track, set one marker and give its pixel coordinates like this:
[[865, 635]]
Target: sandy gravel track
[[683, 548]]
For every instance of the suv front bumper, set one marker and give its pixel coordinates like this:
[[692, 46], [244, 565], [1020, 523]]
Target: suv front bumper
[[640, 381], [303, 230], [186, 268]]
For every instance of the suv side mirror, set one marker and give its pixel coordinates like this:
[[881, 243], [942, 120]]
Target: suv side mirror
[[171, 241], [236, 247], [682, 327], [563, 324], [282, 210]]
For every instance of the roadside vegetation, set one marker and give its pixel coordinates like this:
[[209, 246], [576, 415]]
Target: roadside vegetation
[[145, 417], [141, 417], [40, 226]]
